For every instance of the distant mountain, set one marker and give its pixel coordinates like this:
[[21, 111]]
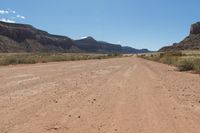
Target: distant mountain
[[127, 50], [89, 44], [26, 38], [191, 42]]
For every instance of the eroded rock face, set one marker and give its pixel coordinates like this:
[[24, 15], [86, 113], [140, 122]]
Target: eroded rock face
[[191, 42], [195, 28], [29, 39]]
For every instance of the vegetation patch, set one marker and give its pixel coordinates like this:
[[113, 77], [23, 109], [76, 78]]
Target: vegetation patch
[[184, 61], [32, 58]]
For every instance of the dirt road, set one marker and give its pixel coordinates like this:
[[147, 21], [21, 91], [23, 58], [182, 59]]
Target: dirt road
[[125, 95]]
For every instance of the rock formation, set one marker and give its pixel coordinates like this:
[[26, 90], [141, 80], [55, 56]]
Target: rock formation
[[191, 42]]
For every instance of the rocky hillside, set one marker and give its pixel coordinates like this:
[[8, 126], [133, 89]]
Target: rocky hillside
[[191, 42], [26, 38]]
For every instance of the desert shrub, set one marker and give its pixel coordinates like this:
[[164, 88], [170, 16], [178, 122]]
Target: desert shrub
[[186, 65], [197, 65], [142, 55], [189, 64], [110, 55], [114, 55], [151, 55], [161, 55], [12, 61]]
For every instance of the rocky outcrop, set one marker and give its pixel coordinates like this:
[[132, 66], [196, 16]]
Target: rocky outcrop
[[195, 29], [191, 42]]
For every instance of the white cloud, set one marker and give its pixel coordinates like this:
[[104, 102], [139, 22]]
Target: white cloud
[[10, 16], [7, 11], [11, 11], [7, 20], [4, 12], [20, 16]]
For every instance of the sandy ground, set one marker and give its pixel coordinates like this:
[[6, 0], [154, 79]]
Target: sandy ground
[[125, 95]]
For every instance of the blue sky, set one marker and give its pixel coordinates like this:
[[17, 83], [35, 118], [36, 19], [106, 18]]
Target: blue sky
[[138, 23]]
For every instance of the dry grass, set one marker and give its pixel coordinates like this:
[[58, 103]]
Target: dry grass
[[32, 58], [184, 61]]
